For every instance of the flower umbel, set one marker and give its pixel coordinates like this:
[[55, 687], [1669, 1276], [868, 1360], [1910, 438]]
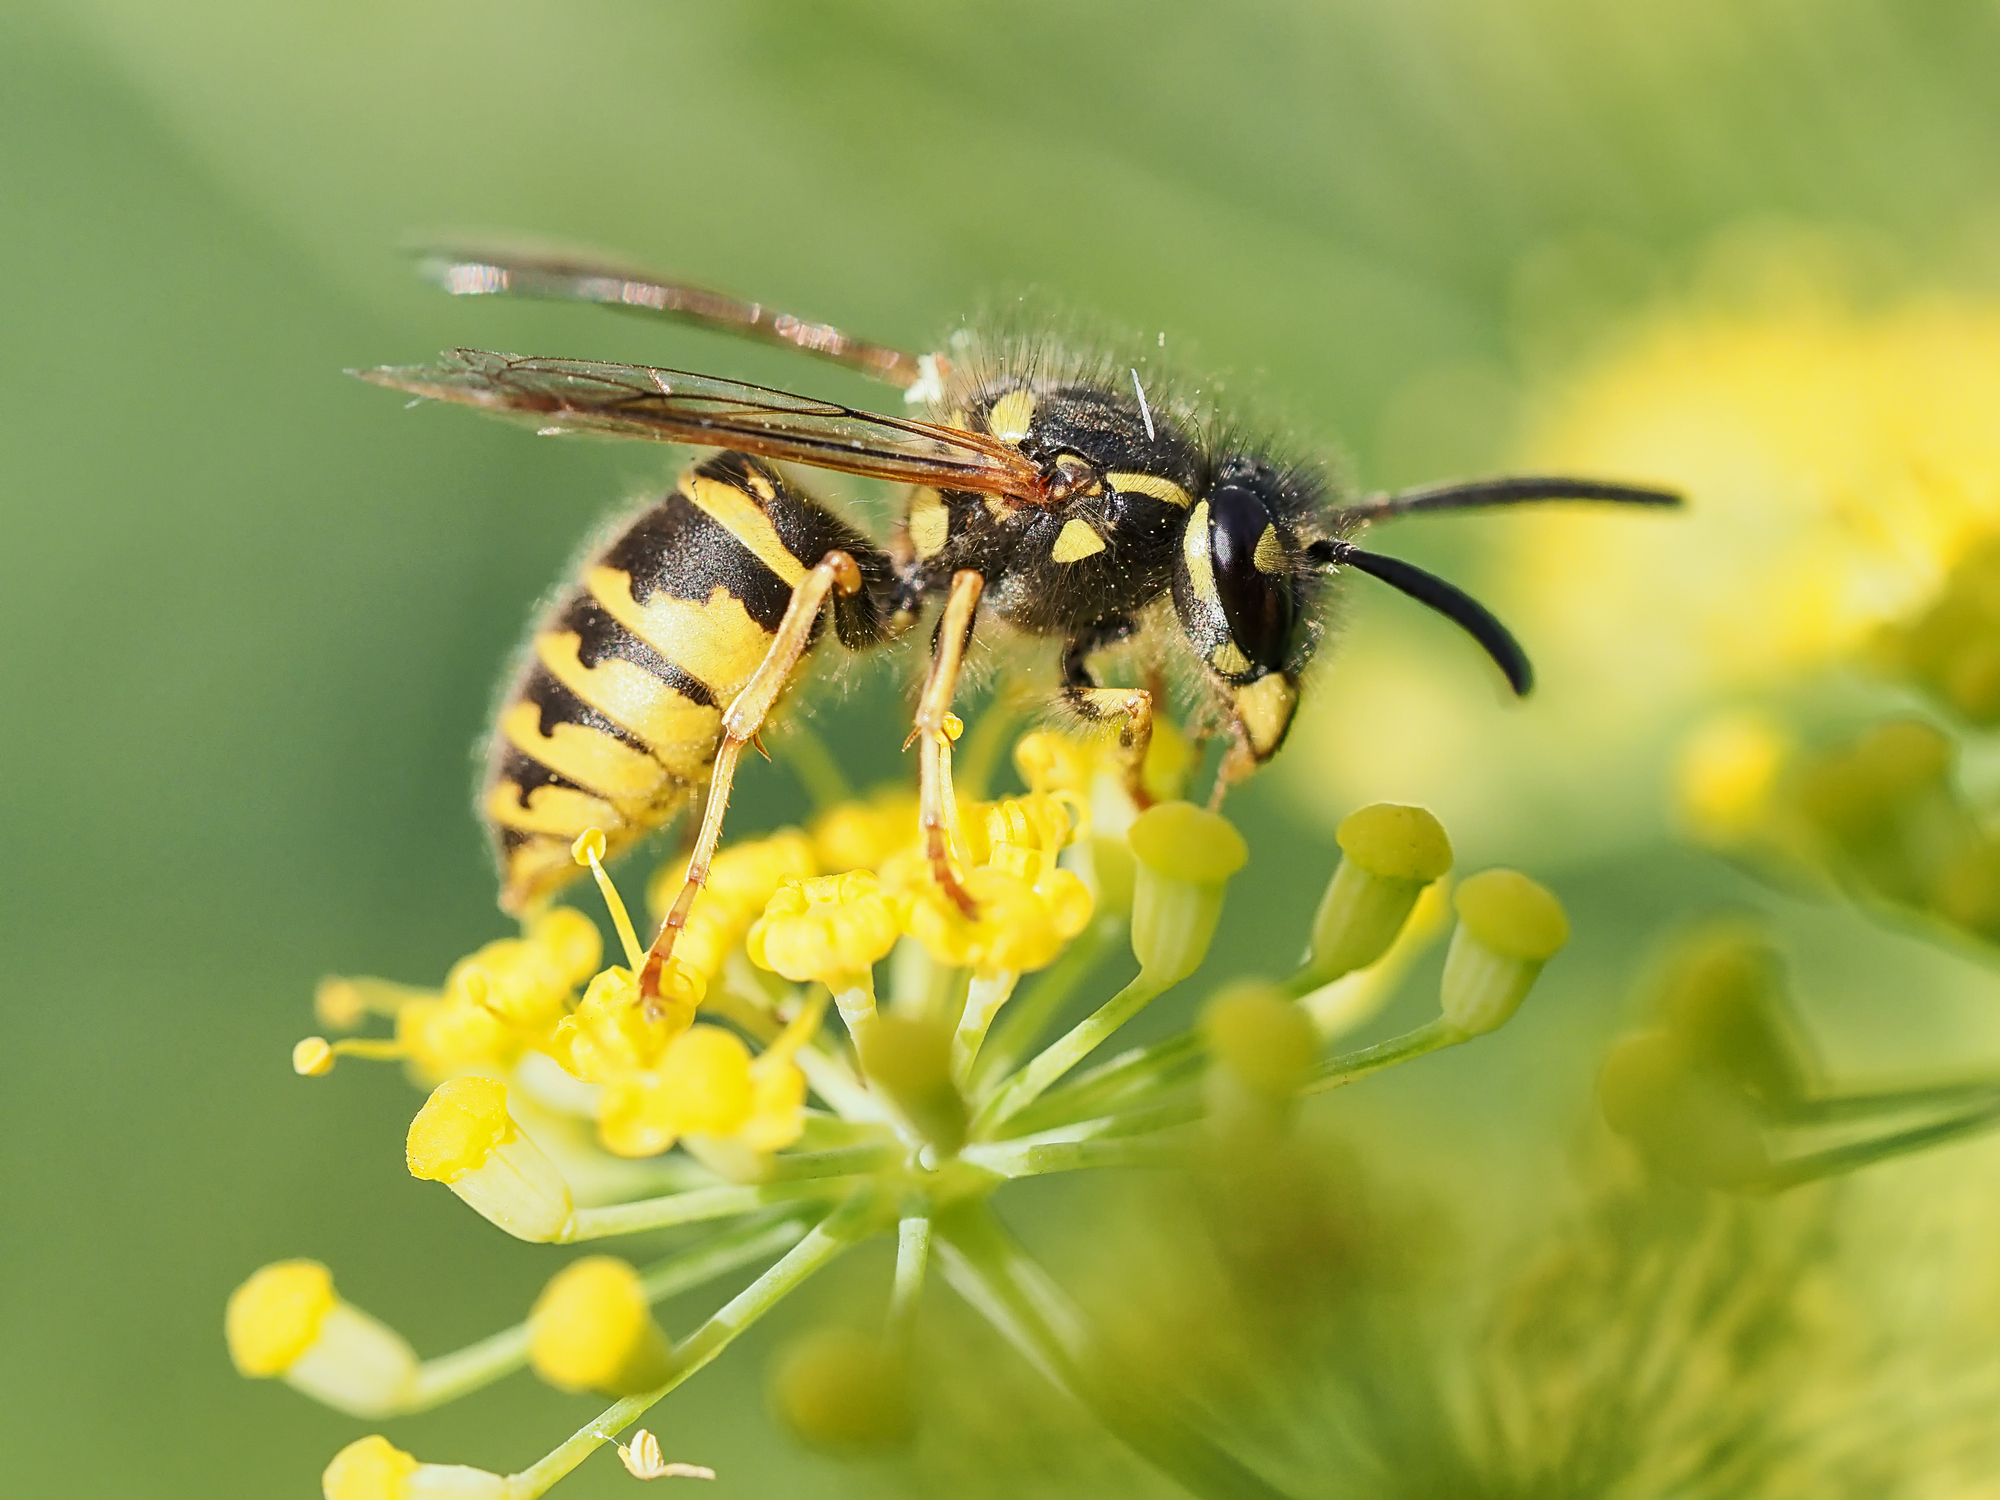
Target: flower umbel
[[779, 1135]]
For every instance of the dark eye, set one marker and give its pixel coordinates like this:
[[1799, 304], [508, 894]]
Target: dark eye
[[1252, 573]]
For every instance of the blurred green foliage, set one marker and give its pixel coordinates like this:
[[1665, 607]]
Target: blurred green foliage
[[255, 612]]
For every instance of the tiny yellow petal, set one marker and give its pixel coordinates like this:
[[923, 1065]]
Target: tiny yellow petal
[[370, 1468], [592, 1330], [457, 1129], [313, 1057], [274, 1317]]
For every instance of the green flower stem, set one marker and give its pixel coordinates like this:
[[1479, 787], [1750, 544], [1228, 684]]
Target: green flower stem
[[913, 1253], [694, 1207], [1034, 1158], [1028, 1085], [842, 1161], [1029, 1016], [826, 1240], [1012, 1292], [1348, 1066], [1861, 1106], [1839, 1159], [983, 998], [463, 1371], [1170, 1062]]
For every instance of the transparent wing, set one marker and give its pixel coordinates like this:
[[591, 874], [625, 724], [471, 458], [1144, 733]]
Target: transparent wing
[[674, 406], [498, 269]]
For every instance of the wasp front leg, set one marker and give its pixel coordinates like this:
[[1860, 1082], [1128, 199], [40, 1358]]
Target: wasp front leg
[[836, 572], [1082, 695], [938, 805]]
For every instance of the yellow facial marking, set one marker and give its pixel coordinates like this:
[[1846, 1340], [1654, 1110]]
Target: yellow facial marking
[[586, 756], [1270, 554], [1194, 547], [1163, 490], [559, 810], [1229, 661], [716, 642], [1076, 541], [744, 519], [1013, 416], [1264, 708], [929, 523], [681, 733]]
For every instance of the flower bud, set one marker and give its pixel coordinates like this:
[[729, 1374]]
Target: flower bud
[[909, 1059], [593, 1330], [1185, 858], [372, 1468], [286, 1321], [1264, 1041], [464, 1138], [1688, 1123], [1508, 927], [843, 1390], [1726, 999], [830, 928], [1389, 854]]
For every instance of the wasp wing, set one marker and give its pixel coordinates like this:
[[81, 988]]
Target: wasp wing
[[674, 406], [564, 275]]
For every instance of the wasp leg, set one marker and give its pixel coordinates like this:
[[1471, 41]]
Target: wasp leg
[[740, 723], [1082, 694], [938, 806]]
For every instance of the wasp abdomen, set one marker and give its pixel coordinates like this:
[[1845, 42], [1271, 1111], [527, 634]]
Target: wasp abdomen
[[616, 715]]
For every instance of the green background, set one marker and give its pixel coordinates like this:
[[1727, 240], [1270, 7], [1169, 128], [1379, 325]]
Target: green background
[[253, 611]]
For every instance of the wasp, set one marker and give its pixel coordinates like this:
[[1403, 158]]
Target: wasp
[[1048, 498]]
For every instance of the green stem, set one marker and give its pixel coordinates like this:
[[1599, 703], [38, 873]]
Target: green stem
[[723, 1202], [826, 1240], [1028, 1016], [1167, 1063], [1838, 1107], [1001, 1282], [463, 1371], [1032, 1158], [983, 998], [841, 1161], [913, 1252], [1348, 1066], [1028, 1085], [1831, 1163]]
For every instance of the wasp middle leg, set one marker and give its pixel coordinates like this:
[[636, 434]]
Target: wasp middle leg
[[938, 805], [1084, 696]]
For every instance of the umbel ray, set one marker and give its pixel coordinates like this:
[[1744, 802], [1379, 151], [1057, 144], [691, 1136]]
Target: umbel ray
[[1045, 499]]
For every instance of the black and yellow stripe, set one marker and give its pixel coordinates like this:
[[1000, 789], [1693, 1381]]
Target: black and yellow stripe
[[616, 714]]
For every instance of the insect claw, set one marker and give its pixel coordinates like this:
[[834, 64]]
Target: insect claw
[[757, 744]]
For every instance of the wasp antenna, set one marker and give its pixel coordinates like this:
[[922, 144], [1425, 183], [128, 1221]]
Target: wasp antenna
[[1509, 490], [1466, 612]]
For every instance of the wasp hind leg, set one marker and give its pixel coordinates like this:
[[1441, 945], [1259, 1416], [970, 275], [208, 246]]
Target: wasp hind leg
[[1085, 697], [938, 805], [836, 572]]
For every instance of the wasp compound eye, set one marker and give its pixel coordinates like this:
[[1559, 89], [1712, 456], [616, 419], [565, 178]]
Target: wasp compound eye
[[1252, 572]]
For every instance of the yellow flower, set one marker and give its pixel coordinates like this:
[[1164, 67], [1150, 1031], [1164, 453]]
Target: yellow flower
[[830, 928], [707, 1084], [1726, 773], [859, 835], [608, 1034], [593, 1330], [286, 1321], [741, 881], [465, 1138], [1022, 923], [372, 1468]]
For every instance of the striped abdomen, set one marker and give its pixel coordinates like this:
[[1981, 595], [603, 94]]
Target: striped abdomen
[[616, 715]]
